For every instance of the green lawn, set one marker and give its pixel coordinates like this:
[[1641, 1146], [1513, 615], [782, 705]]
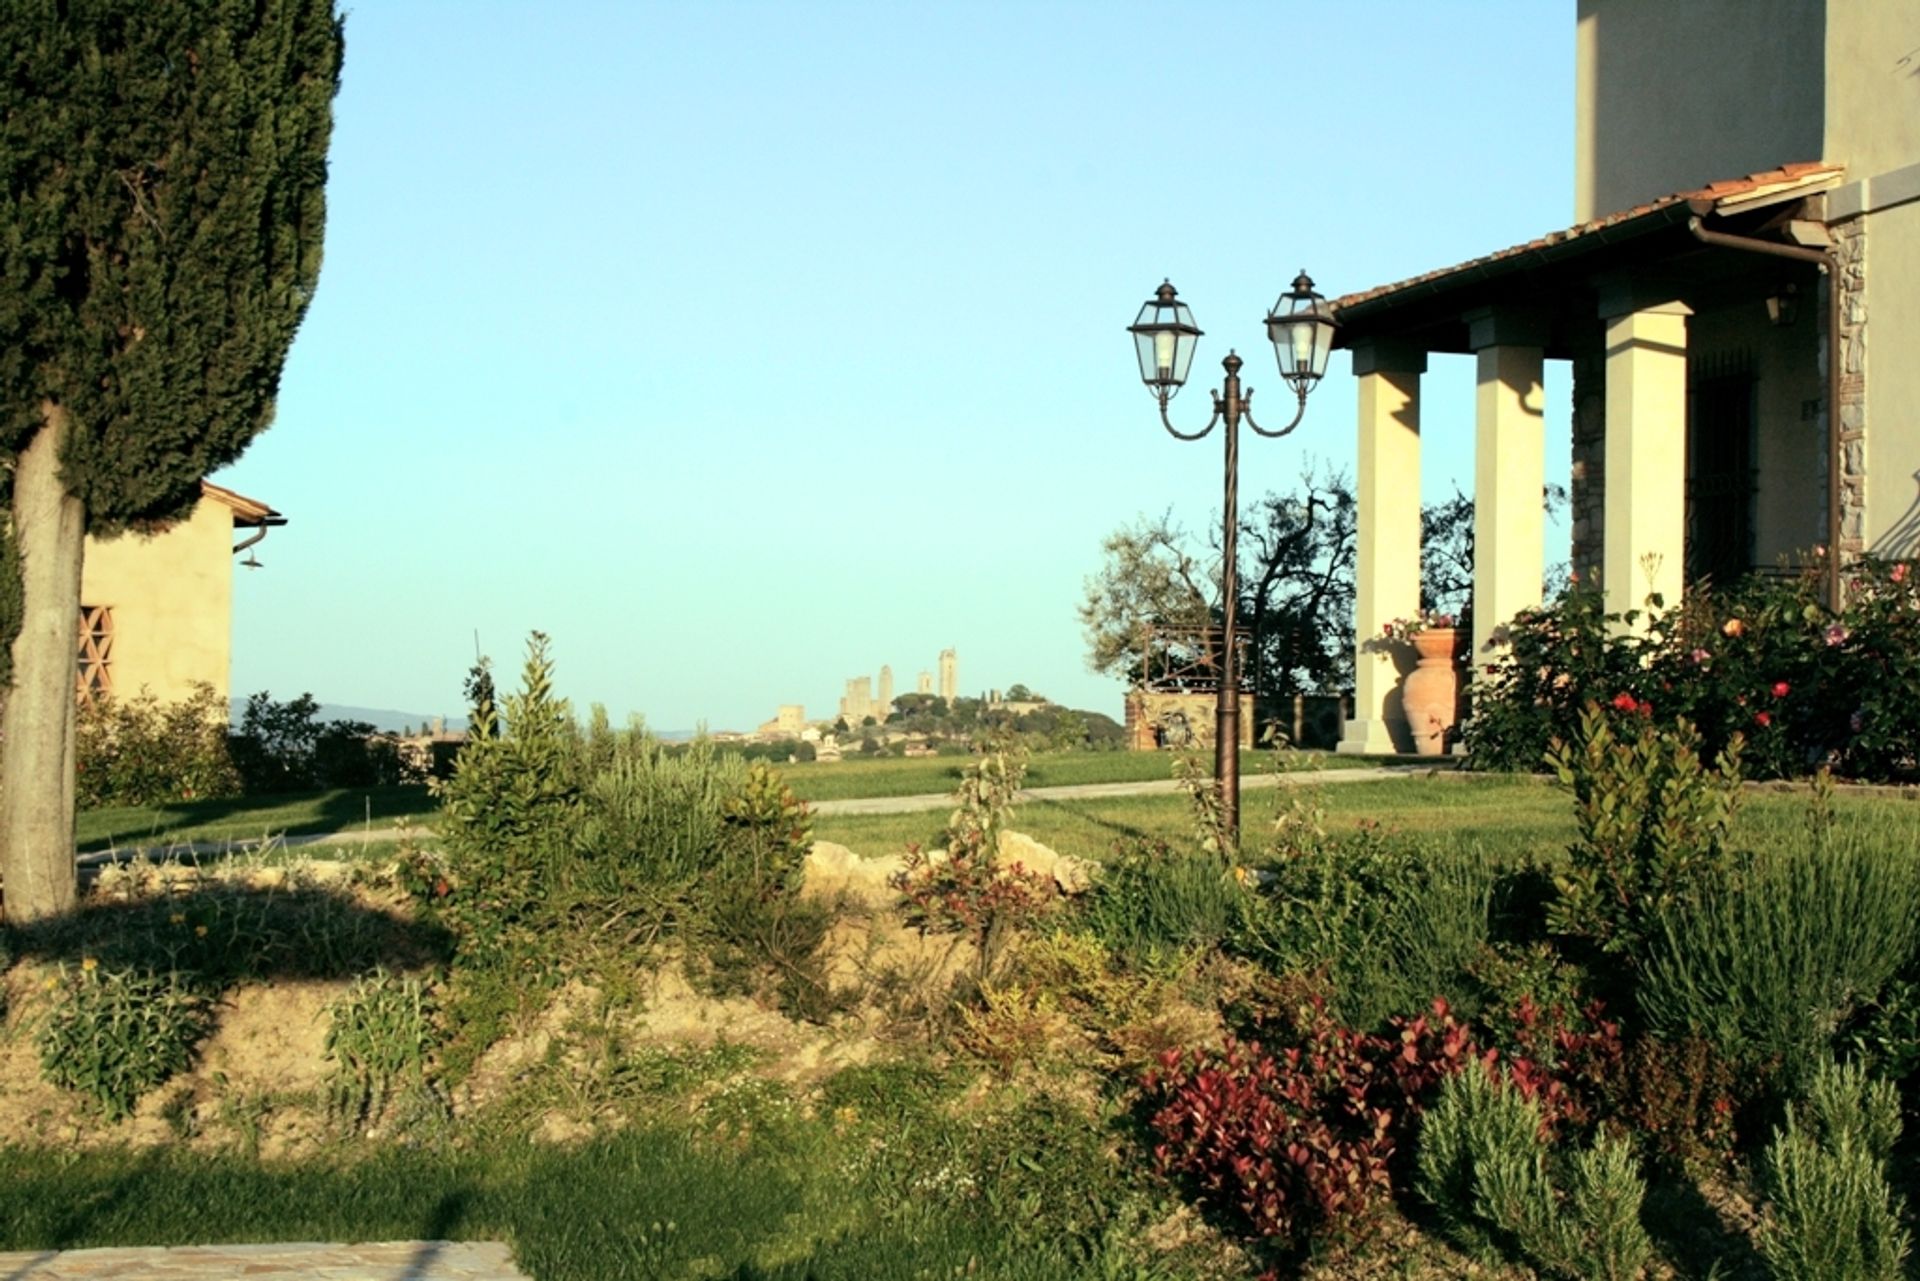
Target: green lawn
[[1513, 816], [772, 1196], [250, 818], [856, 778]]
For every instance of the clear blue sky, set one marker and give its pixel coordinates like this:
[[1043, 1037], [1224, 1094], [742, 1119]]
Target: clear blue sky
[[744, 347]]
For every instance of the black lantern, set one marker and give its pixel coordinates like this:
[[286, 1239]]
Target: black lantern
[[1301, 328], [1165, 338]]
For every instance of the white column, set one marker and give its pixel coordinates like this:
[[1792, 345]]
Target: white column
[[1387, 551], [1646, 453], [1509, 471]]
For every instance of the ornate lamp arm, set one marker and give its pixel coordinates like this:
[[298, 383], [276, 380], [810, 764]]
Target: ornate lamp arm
[[1298, 414], [1181, 435]]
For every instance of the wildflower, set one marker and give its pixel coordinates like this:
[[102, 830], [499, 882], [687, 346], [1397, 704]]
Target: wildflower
[[1763, 718], [199, 931], [1837, 634], [178, 918], [1779, 689], [89, 965], [1733, 627]]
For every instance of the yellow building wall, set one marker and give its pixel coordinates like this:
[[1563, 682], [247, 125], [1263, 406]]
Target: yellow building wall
[[1873, 86], [1893, 380], [1673, 94], [172, 599]]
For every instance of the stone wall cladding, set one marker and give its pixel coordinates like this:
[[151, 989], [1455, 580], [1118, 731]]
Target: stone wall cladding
[[1588, 475], [1850, 251]]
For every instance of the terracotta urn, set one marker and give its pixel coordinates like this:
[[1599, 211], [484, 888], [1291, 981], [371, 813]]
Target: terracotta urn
[[1431, 695]]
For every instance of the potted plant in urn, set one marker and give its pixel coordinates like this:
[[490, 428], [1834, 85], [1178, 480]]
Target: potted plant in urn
[[1431, 693]]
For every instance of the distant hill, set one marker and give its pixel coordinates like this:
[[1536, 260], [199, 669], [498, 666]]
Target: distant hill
[[381, 718]]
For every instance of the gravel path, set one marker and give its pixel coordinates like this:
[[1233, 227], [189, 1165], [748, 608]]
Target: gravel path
[[379, 1261]]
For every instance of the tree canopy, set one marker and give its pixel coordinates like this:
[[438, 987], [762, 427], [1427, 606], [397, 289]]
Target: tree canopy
[[162, 201]]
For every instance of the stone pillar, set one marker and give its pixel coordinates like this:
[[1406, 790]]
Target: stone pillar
[[1509, 470], [1387, 551], [1646, 455]]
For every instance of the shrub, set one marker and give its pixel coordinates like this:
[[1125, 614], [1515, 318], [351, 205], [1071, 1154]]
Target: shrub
[[968, 890], [1288, 1143], [1763, 659], [113, 1035], [1485, 1167], [1832, 1216], [1390, 923], [1156, 906], [140, 751], [1768, 969], [1653, 823], [284, 747], [380, 1039]]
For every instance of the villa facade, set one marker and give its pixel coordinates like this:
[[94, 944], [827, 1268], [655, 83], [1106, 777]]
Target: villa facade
[[1736, 163], [156, 609]]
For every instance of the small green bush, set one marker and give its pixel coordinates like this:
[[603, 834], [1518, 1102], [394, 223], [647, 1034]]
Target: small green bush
[[1832, 1216], [1653, 825], [1156, 905], [140, 751], [380, 1041], [1485, 1168], [113, 1035], [1391, 922], [1768, 968]]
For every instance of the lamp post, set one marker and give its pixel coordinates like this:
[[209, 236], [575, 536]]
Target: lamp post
[[1300, 326]]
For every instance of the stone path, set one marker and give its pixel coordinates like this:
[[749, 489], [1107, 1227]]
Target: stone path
[[378, 1261]]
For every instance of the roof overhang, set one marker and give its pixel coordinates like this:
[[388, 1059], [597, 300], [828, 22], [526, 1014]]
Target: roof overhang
[[248, 513], [1559, 279]]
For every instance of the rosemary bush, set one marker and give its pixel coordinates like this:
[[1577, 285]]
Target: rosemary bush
[[1832, 1216]]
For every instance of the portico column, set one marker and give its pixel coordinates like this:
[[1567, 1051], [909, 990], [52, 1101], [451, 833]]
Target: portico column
[[1387, 546], [1509, 470], [1646, 455]]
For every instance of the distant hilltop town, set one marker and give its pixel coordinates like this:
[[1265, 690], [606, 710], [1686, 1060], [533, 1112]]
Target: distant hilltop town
[[860, 702]]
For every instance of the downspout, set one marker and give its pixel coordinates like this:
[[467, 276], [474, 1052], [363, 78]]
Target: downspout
[[250, 540], [1826, 261]]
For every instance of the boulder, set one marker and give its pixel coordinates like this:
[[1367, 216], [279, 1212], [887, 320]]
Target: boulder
[[1071, 875]]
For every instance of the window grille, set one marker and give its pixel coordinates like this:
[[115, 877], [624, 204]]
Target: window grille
[[96, 652]]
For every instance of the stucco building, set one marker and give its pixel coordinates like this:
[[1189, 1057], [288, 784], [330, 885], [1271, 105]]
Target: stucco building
[[1738, 298], [156, 610]]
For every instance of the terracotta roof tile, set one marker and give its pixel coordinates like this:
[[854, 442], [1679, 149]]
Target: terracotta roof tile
[[1790, 178]]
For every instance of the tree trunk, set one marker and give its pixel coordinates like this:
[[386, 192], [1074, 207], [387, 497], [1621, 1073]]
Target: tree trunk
[[36, 728]]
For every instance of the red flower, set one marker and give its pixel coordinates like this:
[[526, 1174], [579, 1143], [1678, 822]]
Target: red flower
[[1779, 689], [1624, 702], [1764, 719]]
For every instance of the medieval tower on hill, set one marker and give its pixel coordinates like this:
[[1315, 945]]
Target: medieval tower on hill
[[949, 675]]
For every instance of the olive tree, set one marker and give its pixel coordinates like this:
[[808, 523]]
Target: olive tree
[[160, 227]]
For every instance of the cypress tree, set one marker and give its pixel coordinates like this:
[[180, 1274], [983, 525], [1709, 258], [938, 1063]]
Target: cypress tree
[[162, 199]]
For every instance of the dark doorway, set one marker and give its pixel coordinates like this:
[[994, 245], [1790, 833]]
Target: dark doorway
[[1720, 471]]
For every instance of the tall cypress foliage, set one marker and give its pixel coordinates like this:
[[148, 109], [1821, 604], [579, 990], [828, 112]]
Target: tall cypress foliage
[[162, 198]]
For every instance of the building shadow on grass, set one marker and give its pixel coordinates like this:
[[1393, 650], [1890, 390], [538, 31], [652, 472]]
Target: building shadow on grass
[[341, 810]]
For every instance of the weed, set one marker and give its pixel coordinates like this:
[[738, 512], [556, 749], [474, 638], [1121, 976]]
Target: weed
[[112, 1035], [380, 1039]]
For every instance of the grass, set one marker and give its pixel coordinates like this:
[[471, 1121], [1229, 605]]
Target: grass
[[922, 776], [1511, 818], [1028, 1193], [250, 818]]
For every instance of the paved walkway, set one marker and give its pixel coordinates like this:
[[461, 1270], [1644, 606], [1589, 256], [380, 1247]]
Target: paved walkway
[[379, 1261]]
